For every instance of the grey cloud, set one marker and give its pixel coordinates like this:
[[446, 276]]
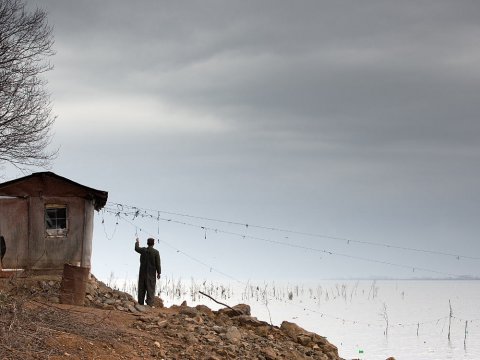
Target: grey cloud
[[372, 75], [363, 112]]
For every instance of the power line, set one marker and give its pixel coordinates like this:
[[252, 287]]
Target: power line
[[119, 216], [136, 214], [309, 234]]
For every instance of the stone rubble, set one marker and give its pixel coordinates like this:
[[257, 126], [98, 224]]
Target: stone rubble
[[186, 332], [225, 334], [183, 332]]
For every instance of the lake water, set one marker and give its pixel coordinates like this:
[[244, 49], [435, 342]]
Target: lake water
[[407, 319]]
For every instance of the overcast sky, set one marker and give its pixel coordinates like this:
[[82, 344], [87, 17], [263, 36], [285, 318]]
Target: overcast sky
[[351, 119]]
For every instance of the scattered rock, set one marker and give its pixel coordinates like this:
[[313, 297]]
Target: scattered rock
[[162, 323], [269, 354], [240, 309], [204, 310], [233, 335], [109, 301], [291, 329], [157, 302], [131, 308], [188, 311], [243, 308], [248, 320], [218, 329], [190, 338], [309, 339], [141, 308]]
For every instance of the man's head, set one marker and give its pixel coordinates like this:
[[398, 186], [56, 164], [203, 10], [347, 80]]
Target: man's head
[[150, 241]]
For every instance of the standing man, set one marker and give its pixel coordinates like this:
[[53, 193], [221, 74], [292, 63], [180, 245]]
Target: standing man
[[149, 267]]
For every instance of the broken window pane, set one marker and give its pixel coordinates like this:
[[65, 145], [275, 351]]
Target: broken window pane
[[56, 220]]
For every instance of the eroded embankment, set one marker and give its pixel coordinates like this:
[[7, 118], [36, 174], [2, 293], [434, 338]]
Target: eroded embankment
[[113, 326]]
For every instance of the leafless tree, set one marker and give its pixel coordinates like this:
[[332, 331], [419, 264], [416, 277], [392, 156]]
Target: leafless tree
[[25, 110]]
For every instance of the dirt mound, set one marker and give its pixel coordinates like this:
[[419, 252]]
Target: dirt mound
[[33, 325]]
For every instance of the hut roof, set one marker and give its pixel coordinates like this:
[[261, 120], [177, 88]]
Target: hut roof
[[50, 184]]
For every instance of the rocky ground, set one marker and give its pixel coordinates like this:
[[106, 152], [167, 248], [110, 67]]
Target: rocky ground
[[34, 325]]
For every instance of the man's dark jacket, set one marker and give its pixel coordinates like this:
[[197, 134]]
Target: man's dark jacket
[[149, 262]]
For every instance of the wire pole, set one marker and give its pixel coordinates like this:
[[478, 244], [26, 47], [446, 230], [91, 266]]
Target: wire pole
[[449, 318]]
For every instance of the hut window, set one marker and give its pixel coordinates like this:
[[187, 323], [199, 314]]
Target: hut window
[[56, 220]]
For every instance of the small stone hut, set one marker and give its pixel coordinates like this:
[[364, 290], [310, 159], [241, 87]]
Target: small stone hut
[[46, 221]]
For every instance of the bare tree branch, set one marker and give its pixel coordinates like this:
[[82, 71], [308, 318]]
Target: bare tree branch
[[26, 42]]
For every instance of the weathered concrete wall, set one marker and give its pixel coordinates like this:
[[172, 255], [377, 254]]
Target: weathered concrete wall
[[22, 223], [51, 252], [88, 233], [14, 228]]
